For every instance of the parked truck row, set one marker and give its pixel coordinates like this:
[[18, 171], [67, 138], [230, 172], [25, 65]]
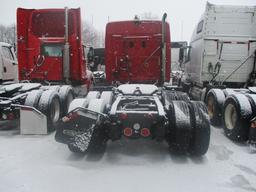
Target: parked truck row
[[136, 99]]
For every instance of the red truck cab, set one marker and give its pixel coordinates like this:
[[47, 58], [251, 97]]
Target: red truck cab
[[41, 41], [133, 51]]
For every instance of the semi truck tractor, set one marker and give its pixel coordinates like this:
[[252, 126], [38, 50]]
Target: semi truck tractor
[[51, 68], [139, 103], [8, 64], [221, 67]]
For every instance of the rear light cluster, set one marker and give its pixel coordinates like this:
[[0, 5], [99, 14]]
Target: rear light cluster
[[144, 132], [128, 132], [136, 128], [8, 116], [253, 124], [123, 116]]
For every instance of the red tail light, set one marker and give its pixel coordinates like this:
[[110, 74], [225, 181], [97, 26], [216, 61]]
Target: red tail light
[[70, 116], [150, 115], [145, 132], [128, 132], [11, 116], [123, 116], [253, 124]]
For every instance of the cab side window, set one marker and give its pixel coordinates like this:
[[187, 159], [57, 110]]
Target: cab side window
[[200, 27], [7, 53]]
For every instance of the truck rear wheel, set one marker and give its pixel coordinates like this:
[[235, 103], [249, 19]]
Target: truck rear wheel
[[75, 149], [107, 97], [169, 96], [66, 94], [214, 101], [252, 100], [98, 142], [201, 105], [236, 115], [180, 127], [79, 102], [201, 130], [32, 98], [228, 92], [93, 95], [49, 104]]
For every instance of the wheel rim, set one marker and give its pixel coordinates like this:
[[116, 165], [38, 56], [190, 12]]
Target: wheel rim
[[210, 106], [55, 110], [230, 116]]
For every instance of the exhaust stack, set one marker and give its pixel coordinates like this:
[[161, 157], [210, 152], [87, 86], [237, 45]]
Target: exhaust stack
[[66, 51], [163, 60]]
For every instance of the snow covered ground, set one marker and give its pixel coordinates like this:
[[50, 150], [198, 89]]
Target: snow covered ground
[[39, 164]]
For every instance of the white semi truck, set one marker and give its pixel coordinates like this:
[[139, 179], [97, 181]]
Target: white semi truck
[[221, 66], [8, 63]]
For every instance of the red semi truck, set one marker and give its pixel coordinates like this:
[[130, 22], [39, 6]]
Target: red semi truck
[[50, 46], [133, 52], [137, 52], [51, 58]]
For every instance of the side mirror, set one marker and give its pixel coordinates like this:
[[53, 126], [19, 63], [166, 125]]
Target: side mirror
[[90, 54], [186, 53], [183, 54]]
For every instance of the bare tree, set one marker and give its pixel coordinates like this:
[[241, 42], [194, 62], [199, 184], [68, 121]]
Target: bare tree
[[8, 34], [91, 36]]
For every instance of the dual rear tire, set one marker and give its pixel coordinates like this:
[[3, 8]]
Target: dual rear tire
[[237, 112], [51, 103], [189, 129], [233, 109], [214, 102]]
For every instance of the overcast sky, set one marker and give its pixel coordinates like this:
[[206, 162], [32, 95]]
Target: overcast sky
[[183, 15]]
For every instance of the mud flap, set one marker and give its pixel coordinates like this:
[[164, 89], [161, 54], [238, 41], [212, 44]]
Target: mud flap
[[252, 135], [32, 121], [77, 128], [82, 140], [252, 139]]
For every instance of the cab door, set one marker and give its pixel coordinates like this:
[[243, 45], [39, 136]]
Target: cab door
[[53, 61]]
